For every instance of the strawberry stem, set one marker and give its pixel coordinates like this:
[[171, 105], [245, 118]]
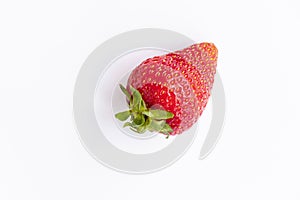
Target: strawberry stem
[[142, 118]]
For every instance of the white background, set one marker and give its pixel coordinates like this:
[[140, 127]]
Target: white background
[[42, 47]]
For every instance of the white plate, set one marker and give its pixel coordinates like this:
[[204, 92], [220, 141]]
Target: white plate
[[97, 98]]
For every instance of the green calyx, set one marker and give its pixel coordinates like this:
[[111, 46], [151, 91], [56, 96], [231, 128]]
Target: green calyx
[[142, 118]]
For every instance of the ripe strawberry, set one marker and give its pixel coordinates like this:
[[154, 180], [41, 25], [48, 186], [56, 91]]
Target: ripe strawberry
[[168, 93]]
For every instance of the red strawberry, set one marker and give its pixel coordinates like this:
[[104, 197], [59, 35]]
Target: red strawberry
[[168, 93]]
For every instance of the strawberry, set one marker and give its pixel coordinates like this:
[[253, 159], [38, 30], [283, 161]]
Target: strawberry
[[168, 93]]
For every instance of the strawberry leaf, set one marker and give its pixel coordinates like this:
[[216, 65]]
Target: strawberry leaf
[[122, 116], [156, 125], [136, 99], [159, 114], [127, 124], [148, 113], [127, 94], [141, 129], [166, 128], [143, 106], [134, 130]]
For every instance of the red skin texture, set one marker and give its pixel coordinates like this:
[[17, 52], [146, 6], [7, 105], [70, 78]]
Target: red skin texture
[[178, 82]]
